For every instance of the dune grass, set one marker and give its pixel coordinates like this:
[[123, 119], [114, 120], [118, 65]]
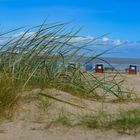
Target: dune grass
[[127, 121], [39, 58], [10, 93], [124, 121]]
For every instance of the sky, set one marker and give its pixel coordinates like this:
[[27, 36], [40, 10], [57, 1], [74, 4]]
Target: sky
[[119, 18]]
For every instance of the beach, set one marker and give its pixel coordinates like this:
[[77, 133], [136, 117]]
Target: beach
[[70, 70], [32, 123]]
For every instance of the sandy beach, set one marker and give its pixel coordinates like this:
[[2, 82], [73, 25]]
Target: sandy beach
[[70, 70], [31, 123]]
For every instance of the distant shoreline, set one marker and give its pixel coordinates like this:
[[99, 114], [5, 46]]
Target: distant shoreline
[[118, 63], [111, 60]]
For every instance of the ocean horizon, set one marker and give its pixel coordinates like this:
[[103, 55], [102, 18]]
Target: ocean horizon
[[117, 63]]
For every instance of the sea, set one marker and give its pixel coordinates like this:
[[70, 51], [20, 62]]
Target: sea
[[117, 63]]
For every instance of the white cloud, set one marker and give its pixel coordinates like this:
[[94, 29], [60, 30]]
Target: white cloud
[[82, 39], [118, 42], [105, 39], [22, 33]]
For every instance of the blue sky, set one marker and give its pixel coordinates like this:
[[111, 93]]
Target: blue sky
[[120, 18]]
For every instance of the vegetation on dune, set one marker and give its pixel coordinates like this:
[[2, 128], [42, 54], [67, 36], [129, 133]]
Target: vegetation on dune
[[9, 95], [39, 58], [127, 121]]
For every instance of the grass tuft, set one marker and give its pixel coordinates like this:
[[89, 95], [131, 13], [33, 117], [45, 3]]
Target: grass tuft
[[9, 96], [39, 58], [127, 121]]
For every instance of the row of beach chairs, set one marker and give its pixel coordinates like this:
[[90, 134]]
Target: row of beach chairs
[[99, 68]]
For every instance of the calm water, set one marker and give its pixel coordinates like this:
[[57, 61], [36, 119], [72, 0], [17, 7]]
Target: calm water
[[117, 63]]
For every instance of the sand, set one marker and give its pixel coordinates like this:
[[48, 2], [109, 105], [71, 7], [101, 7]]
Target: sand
[[32, 131], [32, 123]]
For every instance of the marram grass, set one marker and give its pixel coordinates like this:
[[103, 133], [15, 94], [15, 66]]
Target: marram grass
[[38, 58], [123, 121]]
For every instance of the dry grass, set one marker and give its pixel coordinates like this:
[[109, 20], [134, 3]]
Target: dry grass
[[41, 61], [10, 94]]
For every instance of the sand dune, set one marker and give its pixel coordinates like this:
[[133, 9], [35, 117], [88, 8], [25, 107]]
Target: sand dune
[[30, 123]]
